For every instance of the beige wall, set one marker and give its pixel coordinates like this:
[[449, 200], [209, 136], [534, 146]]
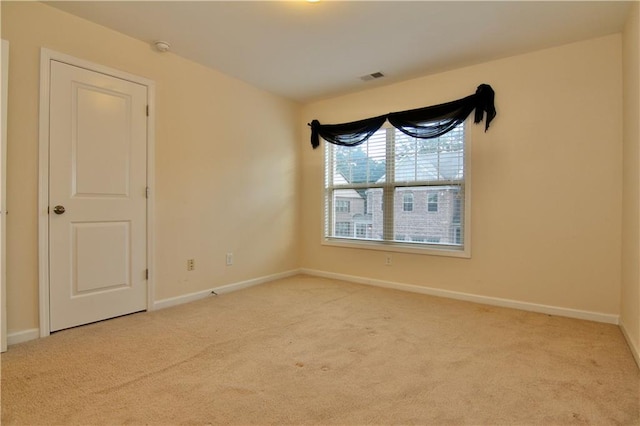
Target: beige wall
[[547, 200], [226, 161], [630, 295], [546, 180]]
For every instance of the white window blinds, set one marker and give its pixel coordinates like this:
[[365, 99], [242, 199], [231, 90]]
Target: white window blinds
[[400, 190]]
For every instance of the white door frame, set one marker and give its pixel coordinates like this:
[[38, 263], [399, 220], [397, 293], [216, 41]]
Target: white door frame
[[46, 56], [3, 197]]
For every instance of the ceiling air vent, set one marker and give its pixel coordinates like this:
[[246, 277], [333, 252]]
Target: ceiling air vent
[[372, 76]]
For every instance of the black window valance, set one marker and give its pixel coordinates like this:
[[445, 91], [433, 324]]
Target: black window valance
[[424, 123]]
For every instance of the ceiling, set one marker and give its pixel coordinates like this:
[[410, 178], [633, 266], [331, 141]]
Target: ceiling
[[307, 51]]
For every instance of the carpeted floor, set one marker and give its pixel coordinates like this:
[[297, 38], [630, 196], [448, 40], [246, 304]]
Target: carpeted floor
[[307, 350]]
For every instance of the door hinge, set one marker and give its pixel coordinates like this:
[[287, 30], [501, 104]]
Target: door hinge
[[146, 192], [146, 274], [147, 110]]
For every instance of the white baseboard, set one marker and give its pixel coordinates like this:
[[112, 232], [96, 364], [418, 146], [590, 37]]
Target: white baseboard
[[228, 288], [34, 333], [26, 335], [468, 297], [634, 349], [22, 336]]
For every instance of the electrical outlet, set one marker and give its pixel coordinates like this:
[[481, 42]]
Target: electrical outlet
[[387, 259], [191, 264], [229, 259]]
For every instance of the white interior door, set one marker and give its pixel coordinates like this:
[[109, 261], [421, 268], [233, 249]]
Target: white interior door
[[97, 196], [3, 194]]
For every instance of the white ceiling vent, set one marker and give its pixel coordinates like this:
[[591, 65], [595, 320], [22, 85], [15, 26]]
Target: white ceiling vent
[[372, 76]]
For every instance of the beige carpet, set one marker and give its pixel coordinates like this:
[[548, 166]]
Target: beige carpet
[[307, 350]]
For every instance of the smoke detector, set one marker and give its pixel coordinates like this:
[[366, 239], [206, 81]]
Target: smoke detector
[[162, 46]]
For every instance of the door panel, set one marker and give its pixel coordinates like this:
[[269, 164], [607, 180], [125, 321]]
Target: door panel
[[97, 173], [101, 142], [100, 253]]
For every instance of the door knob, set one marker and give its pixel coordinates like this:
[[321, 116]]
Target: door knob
[[58, 209]]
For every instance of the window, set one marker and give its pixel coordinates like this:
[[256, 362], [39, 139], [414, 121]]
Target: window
[[404, 193], [343, 229], [407, 202], [432, 202], [363, 230], [343, 206]]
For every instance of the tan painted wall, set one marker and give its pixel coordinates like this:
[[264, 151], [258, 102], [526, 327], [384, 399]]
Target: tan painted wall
[[630, 294], [226, 161], [546, 180]]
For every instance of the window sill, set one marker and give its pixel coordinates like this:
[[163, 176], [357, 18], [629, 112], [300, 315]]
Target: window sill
[[396, 247]]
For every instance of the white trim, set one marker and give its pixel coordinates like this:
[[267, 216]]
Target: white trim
[[3, 197], [31, 334], [635, 351], [468, 297], [91, 66], [393, 247], [46, 56], [228, 288], [151, 178], [34, 333], [23, 336], [43, 194], [468, 143]]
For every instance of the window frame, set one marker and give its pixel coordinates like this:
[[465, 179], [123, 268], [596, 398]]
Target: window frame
[[399, 246]]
